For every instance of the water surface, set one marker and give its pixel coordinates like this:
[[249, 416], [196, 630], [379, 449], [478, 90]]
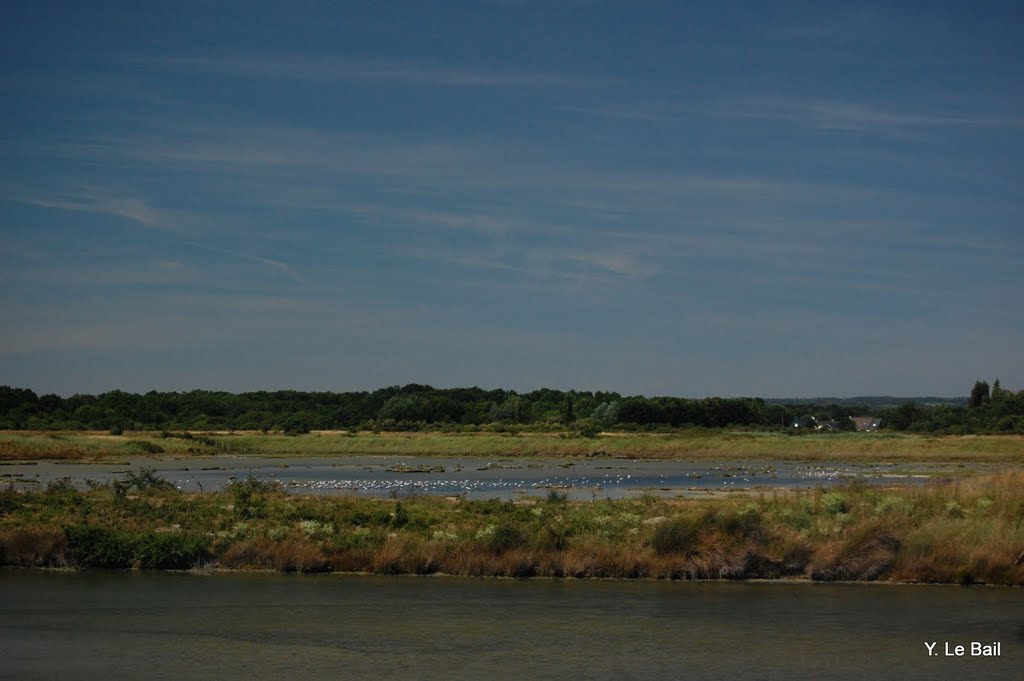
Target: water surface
[[502, 478], [102, 625]]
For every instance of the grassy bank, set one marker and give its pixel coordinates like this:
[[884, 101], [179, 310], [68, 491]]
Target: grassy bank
[[964, 532], [686, 444]]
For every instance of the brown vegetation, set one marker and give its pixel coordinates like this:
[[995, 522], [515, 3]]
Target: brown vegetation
[[957, 532]]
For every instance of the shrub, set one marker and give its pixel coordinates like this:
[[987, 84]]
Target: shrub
[[92, 546], [315, 529], [296, 425], [954, 509], [552, 537], [677, 535], [835, 503], [745, 523], [556, 497], [146, 480], [10, 500], [502, 537], [588, 427], [250, 496], [171, 550], [63, 493], [895, 504], [400, 518]]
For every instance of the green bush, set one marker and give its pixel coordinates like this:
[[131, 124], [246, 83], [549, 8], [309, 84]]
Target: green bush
[[92, 546], [955, 510], [170, 550], [588, 427], [250, 496], [896, 504], [835, 503], [146, 480]]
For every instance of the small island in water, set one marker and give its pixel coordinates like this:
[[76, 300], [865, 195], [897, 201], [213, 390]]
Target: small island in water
[[951, 512]]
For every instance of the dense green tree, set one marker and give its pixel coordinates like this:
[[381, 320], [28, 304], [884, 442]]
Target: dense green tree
[[512, 410], [979, 395], [903, 417], [420, 406], [568, 413], [607, 414], [416, 406]]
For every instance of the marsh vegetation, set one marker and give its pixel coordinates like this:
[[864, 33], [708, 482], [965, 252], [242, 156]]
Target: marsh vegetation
[[965, 531], [693, 444]]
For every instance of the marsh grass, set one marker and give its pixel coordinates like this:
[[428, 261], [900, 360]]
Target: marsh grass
[[965, 531], [697, 443]]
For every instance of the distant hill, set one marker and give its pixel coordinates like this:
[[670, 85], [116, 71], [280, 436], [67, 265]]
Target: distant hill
[[870, 401]]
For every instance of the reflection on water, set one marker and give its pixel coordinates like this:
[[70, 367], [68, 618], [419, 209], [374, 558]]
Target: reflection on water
[[172, 626], [478, 478]]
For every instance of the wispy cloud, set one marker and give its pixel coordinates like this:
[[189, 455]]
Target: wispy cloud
[[525, 210], [618, 263], [635, 112], [329, 68], [248, 150], [141, 212], [417, 163], [130, 208], [277, 265], [100, 86], [849, 116]]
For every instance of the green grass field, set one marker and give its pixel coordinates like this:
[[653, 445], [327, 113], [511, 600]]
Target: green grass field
[[686, 444]]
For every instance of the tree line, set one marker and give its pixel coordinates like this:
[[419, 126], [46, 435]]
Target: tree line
[[419, 407], [987, 410]]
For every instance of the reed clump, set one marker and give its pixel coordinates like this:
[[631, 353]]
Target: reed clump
[[965, 531]]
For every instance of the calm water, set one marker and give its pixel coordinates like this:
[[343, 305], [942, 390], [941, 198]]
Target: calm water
[[479, 478], [177, 626]]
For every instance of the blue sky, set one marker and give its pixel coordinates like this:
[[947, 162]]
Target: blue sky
[[771, 199]]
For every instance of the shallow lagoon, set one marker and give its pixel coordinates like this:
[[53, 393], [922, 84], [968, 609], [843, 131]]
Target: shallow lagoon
[[382, 476], [100, 625]]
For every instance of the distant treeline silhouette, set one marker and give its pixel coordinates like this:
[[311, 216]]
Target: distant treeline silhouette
[[418, 407]]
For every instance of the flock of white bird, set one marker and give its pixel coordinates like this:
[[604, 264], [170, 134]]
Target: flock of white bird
[[610, 484], [460, 486]]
